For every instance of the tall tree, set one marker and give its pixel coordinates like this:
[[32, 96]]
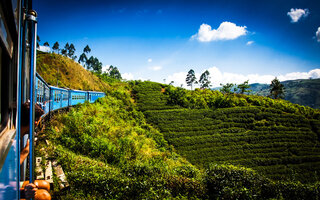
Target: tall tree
[[244, 87], [205, 80], [46, 44], [38, 41], [114, 72], [227, 88], [71, 50], [83, 59], [89, 61], [191, 78], [94, 64], [56, 47], [65, 50], [276, 89], [97, 65], [87, 49]]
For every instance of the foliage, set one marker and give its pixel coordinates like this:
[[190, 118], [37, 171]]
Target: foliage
[[56, 47], [276, 89], [94, 64], [83, 59], [108, 151], [232, 182], [204, 80], [64, 51], [271, 136], [71, 50], [113, 72], [86, 49], [38, 41], [46, 44], [191, 78], [244, 87], [227, 88]]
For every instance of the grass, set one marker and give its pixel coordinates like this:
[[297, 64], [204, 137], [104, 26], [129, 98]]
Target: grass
[[55, 68]]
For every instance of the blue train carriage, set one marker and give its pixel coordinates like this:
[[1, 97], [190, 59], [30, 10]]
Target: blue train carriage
[[93, 96], [59, 98], [77, 96], [42, 93]]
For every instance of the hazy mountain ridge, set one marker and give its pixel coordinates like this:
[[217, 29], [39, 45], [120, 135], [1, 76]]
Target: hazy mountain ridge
[[305, 92], [302, 91]]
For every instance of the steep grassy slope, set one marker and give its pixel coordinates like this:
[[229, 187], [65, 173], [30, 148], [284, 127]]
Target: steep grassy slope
[[109, 152], [304, 92], [276, 138], [70, 75]]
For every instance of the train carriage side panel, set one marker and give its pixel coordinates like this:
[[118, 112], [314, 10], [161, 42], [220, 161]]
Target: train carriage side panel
[[95, 95], [59, 98], [77, 96]]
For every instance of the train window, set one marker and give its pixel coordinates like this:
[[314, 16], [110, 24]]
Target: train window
[[15, 10], [4, 34]]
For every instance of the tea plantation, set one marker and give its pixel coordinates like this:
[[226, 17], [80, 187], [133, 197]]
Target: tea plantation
[[276, 138], [109, 150]]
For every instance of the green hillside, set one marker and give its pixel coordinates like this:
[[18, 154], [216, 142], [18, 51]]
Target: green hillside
[[109, 150], [274, 137], [54, 67], [304, 91]]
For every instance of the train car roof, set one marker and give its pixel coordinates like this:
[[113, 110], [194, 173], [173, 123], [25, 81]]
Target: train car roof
[[78, 91], [39, 77], [96, 92], [57, 88]]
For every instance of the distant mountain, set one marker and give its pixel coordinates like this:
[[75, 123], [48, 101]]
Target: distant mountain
[[302, 91]]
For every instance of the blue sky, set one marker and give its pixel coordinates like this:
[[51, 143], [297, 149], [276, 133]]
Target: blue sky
[[235, 40]]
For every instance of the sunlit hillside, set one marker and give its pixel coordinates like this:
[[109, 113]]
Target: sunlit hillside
[[146, 140], [275, 137], [58, 70]]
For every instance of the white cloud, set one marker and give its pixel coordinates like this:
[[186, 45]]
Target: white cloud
[[318, 34], [105, 68], [156, 68], [226, 31], [127, 76], [218, 77], [297, 13], [315, 73], [44, 48], [250, 43], [178, 78], [149, 60]]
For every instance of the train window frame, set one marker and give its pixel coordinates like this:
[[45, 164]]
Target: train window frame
[[5, 34]]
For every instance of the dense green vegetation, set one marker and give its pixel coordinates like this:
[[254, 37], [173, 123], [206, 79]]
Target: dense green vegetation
[[108, 151], [274, 137]]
